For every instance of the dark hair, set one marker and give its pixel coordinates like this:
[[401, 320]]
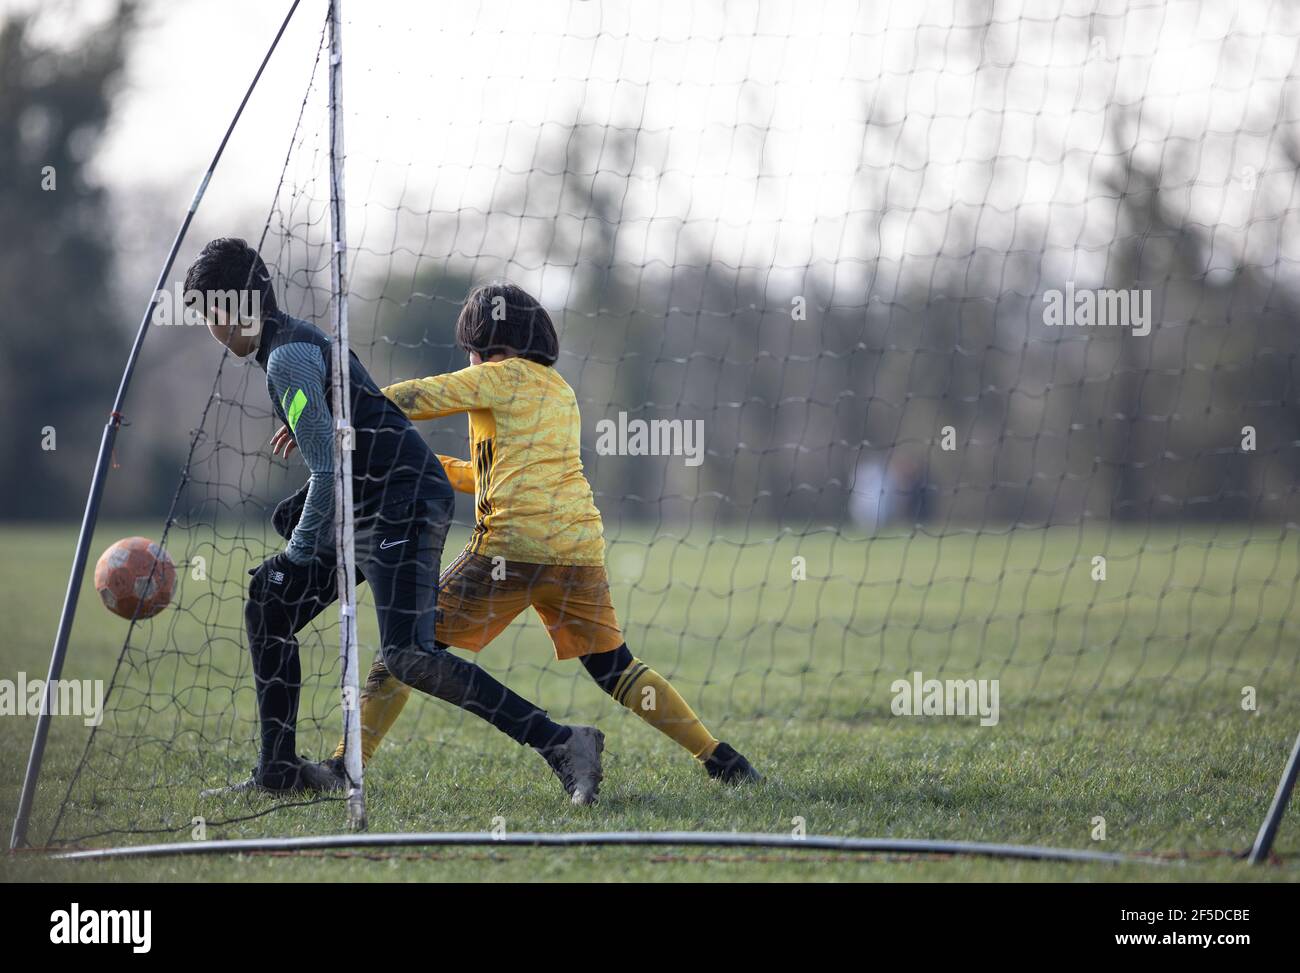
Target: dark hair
[[500, 317], [230, 264]]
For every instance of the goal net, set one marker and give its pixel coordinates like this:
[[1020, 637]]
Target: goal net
[[985, 317]]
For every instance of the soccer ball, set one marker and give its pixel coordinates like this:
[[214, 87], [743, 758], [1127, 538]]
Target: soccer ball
[[135, 578]]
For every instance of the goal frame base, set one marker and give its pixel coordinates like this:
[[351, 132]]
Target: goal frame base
[[592, 839]]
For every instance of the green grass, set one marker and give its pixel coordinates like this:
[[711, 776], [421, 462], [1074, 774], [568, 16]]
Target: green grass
[[1119, 699]]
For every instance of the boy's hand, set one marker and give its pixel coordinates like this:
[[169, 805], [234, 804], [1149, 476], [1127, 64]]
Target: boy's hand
[[282, 443]]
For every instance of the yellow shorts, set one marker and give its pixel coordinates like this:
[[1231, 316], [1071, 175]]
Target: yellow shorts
[[572, 601]]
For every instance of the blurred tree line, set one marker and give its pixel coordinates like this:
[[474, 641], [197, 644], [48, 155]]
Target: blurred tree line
[[56, 263]]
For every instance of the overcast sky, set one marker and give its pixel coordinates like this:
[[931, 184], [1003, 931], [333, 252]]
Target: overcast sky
[[783, 134]]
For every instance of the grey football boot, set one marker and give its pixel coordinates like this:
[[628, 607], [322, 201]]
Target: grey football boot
[[576, 762]]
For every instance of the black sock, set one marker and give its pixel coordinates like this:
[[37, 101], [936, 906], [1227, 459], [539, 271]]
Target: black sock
[[606, 667], [447, 676], [277, 674]]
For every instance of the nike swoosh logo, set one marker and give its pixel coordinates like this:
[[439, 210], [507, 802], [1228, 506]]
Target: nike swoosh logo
[[385, 545]]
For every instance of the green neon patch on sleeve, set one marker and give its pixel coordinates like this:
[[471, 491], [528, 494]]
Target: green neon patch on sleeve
[[295, 408]]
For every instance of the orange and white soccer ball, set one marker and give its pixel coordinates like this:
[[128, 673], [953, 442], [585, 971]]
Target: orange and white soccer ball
[[135, 578]]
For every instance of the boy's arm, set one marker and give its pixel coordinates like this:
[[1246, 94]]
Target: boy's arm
[[460, 473], [297, 374], [470, 388]]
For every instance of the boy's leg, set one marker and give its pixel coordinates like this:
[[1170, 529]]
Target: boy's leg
[[574, 602], [653, 698], [282, 598], [382, 699], [473, 609], [402, 551], [401, 563]]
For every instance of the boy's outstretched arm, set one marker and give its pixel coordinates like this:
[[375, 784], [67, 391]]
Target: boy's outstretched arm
[[475, 387]]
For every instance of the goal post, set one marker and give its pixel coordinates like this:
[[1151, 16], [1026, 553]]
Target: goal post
[[343, 440]]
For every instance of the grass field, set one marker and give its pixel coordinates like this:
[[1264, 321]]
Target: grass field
[[1119, 699]]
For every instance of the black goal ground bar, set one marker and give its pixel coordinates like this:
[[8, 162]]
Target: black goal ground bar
[[695, 839]]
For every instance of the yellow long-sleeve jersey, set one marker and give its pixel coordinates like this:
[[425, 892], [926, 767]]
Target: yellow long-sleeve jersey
[[532, 502]]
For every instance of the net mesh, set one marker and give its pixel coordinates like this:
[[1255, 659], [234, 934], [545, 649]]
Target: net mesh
[[837, 236]]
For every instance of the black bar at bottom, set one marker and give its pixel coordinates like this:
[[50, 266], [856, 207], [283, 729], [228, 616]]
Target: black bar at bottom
[[499, 925]]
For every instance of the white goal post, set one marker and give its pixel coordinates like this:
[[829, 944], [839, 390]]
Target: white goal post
[[343, 439]]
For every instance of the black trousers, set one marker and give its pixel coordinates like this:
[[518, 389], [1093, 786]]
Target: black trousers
[[398, 551]]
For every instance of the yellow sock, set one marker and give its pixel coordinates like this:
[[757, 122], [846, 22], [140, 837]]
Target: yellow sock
[[653, 698], [382, 699]]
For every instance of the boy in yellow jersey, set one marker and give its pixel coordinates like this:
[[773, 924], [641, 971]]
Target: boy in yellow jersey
[[537, 539]]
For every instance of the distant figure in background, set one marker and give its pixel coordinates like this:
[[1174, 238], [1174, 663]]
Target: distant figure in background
[[886, 492]]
